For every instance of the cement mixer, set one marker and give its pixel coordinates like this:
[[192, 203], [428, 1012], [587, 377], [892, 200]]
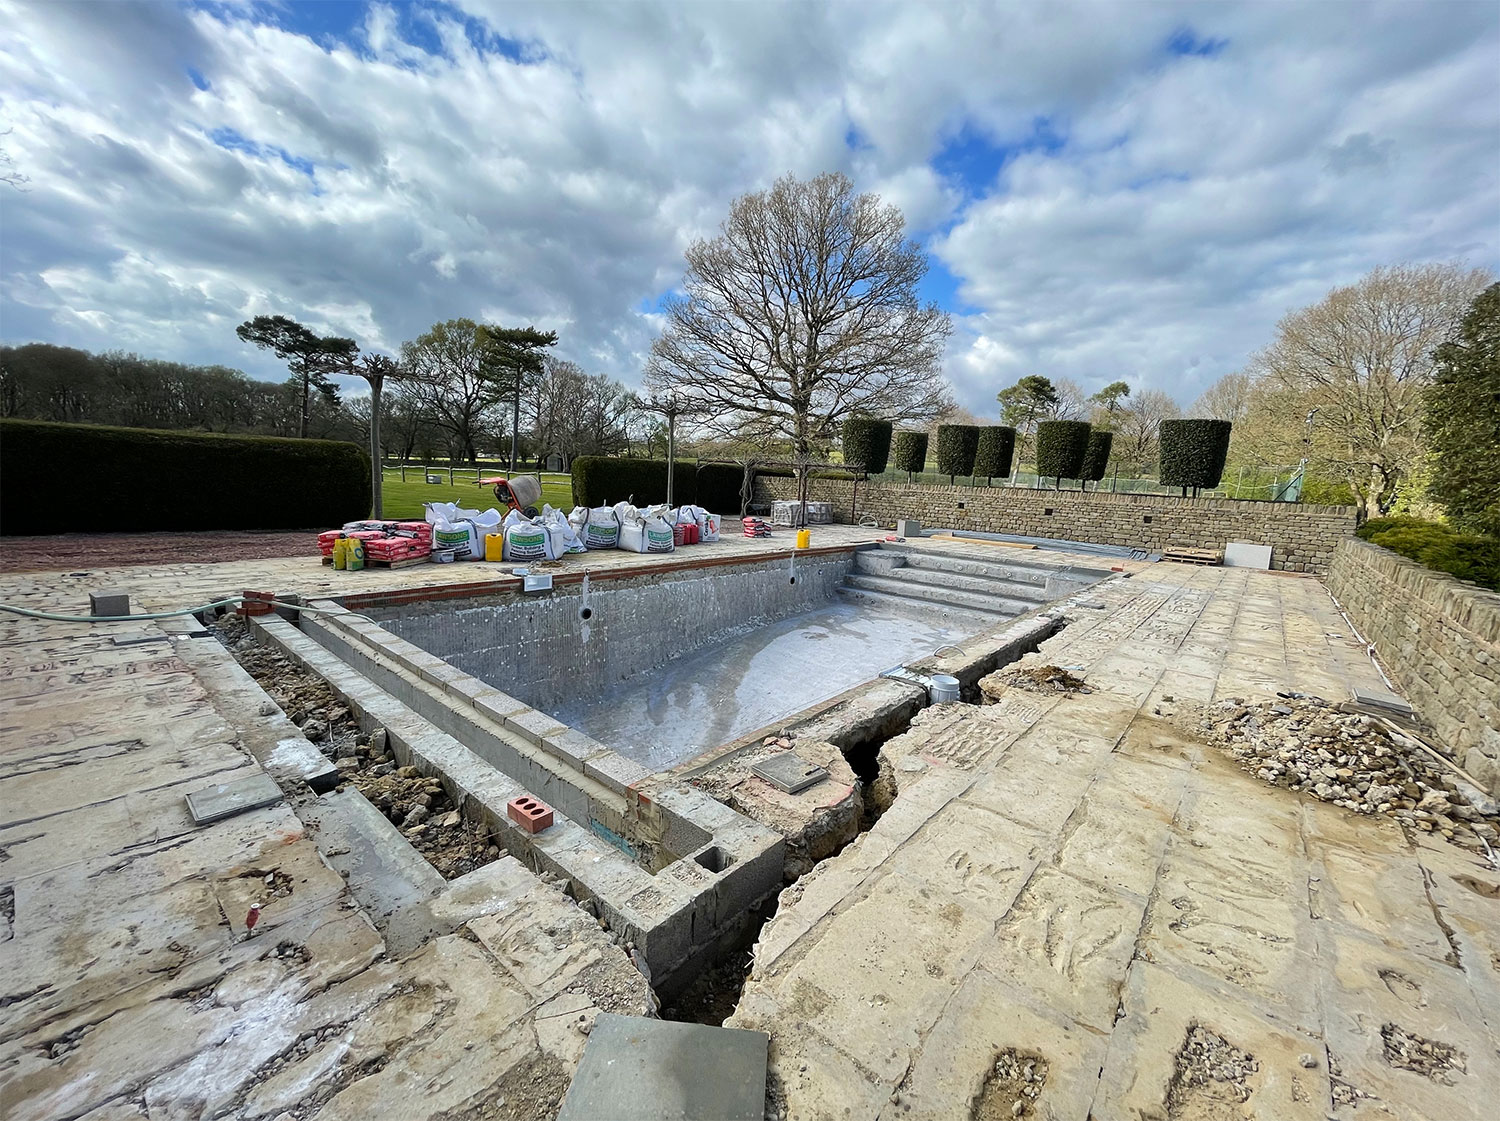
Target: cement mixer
[[521, 493]]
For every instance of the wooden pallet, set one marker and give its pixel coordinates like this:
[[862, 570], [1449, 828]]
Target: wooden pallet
[[371, 562], [1193, 556]]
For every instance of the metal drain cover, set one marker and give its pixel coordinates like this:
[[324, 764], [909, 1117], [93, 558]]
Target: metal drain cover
[[789, 771], [635, 1069]]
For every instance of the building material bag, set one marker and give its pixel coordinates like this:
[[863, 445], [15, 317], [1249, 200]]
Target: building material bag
[[708, 528], [526, 540], [600, 528], [564, 538], [644, 531], [453, 531]]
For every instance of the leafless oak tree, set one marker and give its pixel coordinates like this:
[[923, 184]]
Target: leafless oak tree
[[1362, 359], [1227, 399], [803, 310]]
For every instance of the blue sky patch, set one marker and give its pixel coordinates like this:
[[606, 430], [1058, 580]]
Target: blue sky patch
[[975, 161], [1187, 42]]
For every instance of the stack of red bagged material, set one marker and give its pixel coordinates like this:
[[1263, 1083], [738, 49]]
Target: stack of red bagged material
[[384, 540], [756, 527]]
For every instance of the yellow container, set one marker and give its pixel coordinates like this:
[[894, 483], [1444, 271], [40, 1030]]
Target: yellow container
[[804, 538], [340, 553], [354, 555], [494, 546]]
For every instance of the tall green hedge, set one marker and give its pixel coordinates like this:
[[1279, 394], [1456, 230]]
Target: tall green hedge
[[1193, 452], [604, 480], [956, 447], [867, 443], [1061, 446], [1096, 458], [910, 452], [84, 478], [996, 448]]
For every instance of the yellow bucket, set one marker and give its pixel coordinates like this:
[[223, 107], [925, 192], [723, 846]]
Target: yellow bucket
[[804, 538], [494, 546]]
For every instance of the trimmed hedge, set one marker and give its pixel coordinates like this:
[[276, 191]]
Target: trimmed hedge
[[867, 443], [604, 480], [1061, 446], [996, 448], [1438, 547], [957, 445], [140, 479], [1193, 452], [1096, 458], [910, 452]]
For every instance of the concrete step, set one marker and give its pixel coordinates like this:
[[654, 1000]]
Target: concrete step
[[932, 593], [958, 581], [935, 560], [927, 609]]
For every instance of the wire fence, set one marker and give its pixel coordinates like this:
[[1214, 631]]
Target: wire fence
[[1276, 484], [453, 473]]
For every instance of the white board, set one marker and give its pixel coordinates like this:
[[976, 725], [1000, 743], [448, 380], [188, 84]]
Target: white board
[[1242, 554]]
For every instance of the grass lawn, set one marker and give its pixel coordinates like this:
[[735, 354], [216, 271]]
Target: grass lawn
[[404, 500]]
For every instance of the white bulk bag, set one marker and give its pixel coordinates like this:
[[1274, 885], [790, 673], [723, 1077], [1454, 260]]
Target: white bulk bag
[[658, 536], [526, 540], [453, 533], [601, 528], [564, 538]]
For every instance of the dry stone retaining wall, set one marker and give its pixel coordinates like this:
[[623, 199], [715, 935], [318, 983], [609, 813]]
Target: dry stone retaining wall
[[1302, 537], [1439, 639]]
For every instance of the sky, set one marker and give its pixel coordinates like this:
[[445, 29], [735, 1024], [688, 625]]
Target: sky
[[1106, 191]]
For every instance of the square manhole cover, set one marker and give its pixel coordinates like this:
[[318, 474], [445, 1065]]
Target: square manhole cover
[[635, 1069], [215, 803], [789, 771]]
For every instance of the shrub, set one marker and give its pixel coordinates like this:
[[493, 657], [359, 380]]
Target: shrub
[[911, 452], [139, 479], [1193, 452], [867, 443], [1061, 446], [1096, 457], [956, 447], [996, 448], [600, 480], [1439, 547]]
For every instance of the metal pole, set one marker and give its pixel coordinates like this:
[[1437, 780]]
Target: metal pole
[[377, 472], [671, 452]]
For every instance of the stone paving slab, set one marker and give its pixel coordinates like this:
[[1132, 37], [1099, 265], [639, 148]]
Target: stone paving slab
[[1082, 879]]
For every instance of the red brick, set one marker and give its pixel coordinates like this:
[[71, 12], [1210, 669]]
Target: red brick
[[531, 814]]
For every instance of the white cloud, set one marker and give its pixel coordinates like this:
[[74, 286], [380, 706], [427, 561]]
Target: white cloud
[[372, 188]]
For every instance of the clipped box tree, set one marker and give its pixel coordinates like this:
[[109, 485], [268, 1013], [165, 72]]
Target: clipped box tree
[[956, 447], [993, 454], [1193, 452], [1061, 446], [910, 453], [867, 443], [1096, 458]]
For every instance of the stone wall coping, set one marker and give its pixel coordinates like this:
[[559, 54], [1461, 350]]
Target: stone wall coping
[[1464, 603]]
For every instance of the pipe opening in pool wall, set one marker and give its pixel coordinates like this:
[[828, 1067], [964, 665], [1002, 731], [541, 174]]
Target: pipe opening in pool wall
[[585, 613]]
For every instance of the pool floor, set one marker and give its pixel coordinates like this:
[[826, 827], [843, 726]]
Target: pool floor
[[753, 678]]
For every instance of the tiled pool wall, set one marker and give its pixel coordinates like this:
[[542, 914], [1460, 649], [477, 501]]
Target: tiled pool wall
[[542, 651]]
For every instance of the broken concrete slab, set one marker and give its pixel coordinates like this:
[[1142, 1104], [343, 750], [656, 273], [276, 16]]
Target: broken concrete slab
[[636, 1069]]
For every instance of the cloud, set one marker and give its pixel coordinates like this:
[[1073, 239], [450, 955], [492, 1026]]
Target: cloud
[[1108, 191]]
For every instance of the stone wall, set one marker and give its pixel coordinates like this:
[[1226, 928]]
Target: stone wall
[[1302, 537], [1438, 639]]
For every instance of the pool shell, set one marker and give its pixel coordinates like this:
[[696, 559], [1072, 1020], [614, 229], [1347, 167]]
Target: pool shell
[[676, 872]]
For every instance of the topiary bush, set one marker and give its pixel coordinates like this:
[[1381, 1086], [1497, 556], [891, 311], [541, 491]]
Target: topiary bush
[[996, 448], [1096, 457], [956, 447], [910, 452], [139, 479], [1438, 547], [1193, 452], [1061, 446], [604, 480], [867, 443]]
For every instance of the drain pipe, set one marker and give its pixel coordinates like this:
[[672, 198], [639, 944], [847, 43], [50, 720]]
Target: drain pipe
[[941, 688]]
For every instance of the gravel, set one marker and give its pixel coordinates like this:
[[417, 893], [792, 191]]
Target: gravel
[[1354, 761]]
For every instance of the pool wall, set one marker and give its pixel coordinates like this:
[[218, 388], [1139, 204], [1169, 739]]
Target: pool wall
[[541, 649]]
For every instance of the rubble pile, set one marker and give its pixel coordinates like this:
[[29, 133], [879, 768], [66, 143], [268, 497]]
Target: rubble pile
[[1040, 679], [1355, 761], [416, 804]]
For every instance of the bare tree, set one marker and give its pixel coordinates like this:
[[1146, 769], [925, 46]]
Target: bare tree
[[1358, 364], [1071, 403], [802, 311], [1227, 399], [1138, 428], [574, 413]]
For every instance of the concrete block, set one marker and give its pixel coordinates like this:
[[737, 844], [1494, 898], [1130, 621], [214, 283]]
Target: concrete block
[[111, 604], [226, 799], [615, 770], [535, 726]]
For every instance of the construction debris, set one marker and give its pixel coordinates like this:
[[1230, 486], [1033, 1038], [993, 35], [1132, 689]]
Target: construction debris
[[1036, 679], [1356, 761]]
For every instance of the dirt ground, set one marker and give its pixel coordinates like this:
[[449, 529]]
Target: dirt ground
[[71, 551]]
